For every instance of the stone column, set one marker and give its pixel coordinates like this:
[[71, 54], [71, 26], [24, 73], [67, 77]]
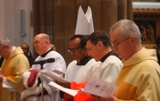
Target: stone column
[[129, 10], [109, 12], [122, 9]]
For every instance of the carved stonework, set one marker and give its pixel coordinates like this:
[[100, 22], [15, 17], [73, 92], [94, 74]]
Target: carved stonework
[[147, 17], [147, 10], [146, 13]]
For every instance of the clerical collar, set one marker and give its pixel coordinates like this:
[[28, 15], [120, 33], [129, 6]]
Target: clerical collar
[[108, 54], [84, 60], [46, 52]]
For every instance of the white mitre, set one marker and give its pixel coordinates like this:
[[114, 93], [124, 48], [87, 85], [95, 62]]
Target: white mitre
[[84, 24]]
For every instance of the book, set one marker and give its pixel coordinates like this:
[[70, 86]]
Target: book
[[100, 87], [95, 86]]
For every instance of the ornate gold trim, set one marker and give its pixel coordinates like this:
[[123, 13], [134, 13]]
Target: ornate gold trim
[[146, 13], [146, 10]]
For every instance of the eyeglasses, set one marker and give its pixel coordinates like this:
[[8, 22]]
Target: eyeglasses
[[73, 49], [24, 48], [116, 44]]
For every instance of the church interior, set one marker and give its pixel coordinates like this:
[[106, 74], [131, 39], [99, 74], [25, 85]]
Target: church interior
[[58, 19]]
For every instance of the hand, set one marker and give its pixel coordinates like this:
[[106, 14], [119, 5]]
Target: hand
[[98, 98], [66, 85]]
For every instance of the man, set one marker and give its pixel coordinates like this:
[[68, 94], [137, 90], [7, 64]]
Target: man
[[27, 53], [140, 77], [50, 60], [14, 65], [99, 47], [81, 68], [83, 65]]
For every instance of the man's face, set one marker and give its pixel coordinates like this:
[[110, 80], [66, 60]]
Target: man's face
[[39, 45], [25, 48], [75, 49], [4, 51], [120, 44], [93, 50]]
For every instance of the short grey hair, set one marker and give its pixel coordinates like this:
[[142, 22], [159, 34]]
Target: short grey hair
[[127, 28], [4, 41]]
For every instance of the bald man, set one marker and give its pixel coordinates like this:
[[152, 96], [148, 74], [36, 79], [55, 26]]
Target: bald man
[[43, 48]]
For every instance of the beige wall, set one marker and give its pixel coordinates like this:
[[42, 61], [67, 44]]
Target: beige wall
[[10, 21], [2, 18]]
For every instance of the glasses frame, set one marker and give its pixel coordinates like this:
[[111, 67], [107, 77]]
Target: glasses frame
[[116, 44], [73, 49]]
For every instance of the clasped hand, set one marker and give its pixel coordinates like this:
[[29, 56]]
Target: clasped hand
[[66, 85]]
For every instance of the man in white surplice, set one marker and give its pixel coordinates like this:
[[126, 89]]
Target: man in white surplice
[[100, 48], [82, 67], [56, 62]]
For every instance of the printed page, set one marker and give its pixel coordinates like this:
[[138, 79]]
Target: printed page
[[53, 76], [95, 86], [100, 87]]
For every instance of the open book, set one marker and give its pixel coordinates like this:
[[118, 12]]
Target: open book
[[94, 86]]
